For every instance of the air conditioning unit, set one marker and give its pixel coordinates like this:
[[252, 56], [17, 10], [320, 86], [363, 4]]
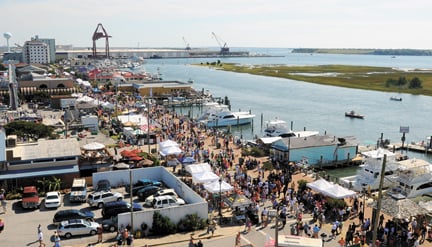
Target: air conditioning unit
[[11, 141]]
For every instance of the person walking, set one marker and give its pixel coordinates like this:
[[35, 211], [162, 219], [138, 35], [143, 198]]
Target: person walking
[[99, 233], [56, 239], [40, 237], [237, 240]]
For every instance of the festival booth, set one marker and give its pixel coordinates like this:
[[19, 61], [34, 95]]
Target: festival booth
[[242, 207], [94, 156], [330, 189]]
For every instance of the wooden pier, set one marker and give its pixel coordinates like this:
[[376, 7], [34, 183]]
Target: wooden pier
[[409, 147]]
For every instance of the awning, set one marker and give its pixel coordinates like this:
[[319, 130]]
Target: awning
[[12, 174]]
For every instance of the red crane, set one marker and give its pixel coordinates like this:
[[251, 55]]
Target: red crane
[[100, 32]]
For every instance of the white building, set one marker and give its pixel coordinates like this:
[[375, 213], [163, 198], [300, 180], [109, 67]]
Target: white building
[[35, 51], [51, 47]]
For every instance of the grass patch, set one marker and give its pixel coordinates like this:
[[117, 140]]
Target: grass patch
[[360, 77]]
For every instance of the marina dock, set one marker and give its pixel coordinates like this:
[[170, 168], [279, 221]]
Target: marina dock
[[409, 147]]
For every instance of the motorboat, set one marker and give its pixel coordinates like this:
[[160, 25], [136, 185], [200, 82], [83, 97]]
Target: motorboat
[[227, 118], [353, 114], [369, 174], [394, 98], [279, 128], [413, 178]]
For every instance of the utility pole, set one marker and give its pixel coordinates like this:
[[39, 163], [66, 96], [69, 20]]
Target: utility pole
[[378, 212]]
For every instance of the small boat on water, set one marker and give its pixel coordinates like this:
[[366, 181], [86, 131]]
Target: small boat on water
[[353, 114], [396, 98]]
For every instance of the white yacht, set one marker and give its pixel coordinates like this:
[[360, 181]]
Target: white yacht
[[279, 128], [369, 174], [413, 178], [226, 118]]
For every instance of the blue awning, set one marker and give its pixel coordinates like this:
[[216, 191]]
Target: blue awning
[[39, 172]]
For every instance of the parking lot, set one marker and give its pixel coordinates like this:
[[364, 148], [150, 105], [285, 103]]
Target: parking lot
[[21, 224]]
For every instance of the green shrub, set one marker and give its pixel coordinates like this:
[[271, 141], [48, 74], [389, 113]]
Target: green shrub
[[162, 225], [335, 203], [191, 222], [302, 185]]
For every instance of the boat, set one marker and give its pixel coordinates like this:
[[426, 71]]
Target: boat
[[396, 98], [279, 128], [353, 114], [413, 179], [369, 174], [226, 118]]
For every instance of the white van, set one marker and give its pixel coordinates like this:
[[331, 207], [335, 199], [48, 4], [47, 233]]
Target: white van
[[167, 201], [78, 190]]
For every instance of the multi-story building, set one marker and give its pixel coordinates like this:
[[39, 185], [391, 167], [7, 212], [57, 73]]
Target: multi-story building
[[36, 51], [51, 47]]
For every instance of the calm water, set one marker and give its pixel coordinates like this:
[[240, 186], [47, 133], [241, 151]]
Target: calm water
[[311, 106]]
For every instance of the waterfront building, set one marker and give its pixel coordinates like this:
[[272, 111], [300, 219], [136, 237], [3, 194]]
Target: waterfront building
[[51, 47], [317, 151]]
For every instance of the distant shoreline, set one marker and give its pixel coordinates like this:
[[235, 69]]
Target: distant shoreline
[[352, 51]]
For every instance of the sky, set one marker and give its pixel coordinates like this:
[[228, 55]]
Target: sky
[[388, 24]]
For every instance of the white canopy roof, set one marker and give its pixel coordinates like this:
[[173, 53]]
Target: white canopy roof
[[204, 177], [86, 99], [93, 146], [216, 187], [198, 168], [330, 189], [170, 151], [168, 143]]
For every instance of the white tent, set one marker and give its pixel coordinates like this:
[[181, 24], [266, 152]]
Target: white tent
[[331, 190], [168, 143], [85, 99], [198, 168], [93, 146], [216, 187], [204, 177], [170, 151]]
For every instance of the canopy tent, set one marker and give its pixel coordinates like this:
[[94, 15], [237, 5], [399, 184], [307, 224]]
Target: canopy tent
[[198, 168], [188, 160], [399, 209], [204, 177], [238, 201], [331, 190], [93, 146], [85, 99], [173, 162], [216, 187], [168, 143], [170, 151], [107, 105]]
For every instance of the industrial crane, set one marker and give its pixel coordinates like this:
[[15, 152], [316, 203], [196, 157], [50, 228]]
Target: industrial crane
[[100, 32], [224, 49], [187, 44]]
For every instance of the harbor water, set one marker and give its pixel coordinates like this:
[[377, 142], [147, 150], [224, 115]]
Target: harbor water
[[306, 105]]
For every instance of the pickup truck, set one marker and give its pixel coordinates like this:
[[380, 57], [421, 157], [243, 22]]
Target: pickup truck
[[30, 197], [142, 183]]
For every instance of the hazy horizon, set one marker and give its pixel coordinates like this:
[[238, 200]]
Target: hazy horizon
[[367, 24]]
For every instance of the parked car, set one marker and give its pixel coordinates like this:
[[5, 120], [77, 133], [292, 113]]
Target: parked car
[[75, 227], [115, 208], [110, 225], [142, 183], [167, 201], [53, 199], [69, 214], [147, 191], [30, 197], [98, 199], [163, 192], [103, 185]]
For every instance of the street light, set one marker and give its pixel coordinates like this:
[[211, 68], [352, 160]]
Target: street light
[[220, 200], [131, 198]]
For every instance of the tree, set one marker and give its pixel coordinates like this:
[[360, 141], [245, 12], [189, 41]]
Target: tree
[[415, 83], [25, 129]]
